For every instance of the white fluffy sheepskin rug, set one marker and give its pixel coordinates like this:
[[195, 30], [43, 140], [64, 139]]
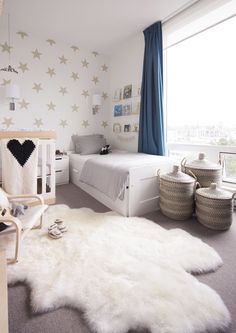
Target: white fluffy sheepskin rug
[[125, 273]]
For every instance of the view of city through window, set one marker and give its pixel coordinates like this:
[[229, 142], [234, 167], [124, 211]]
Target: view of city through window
[[201, 88]]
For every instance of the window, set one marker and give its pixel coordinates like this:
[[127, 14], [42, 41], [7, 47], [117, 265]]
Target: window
[[200, 88]]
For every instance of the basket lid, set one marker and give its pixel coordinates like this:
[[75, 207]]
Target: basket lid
[[177, 176], [202, 163], [214, 192]]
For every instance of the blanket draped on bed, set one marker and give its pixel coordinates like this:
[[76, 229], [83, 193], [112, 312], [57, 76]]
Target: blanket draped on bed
[[109, 173], [19, 165]]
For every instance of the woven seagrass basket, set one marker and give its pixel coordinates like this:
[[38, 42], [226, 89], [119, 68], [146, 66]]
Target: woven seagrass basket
[[206, 172], [177, 194], [214, 207]]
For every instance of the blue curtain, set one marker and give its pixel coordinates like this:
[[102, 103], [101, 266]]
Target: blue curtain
[[151, 122]]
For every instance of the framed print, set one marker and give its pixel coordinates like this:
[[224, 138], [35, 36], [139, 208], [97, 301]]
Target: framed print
[[127, 128], [116, 128], [127, 109], [118, 110], [127, 92]]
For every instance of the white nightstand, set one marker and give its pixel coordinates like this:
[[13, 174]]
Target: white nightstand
[[62, 169]]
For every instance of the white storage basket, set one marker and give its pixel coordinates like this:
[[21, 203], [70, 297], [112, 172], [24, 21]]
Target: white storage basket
[[177, 194], [206, 172], [214, 207]]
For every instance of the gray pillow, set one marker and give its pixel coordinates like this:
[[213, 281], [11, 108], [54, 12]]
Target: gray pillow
[[88, 144]]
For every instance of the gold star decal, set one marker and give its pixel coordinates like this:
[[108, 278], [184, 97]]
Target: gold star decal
[[104, 124], [63, 123], [85, 93], [51, 106], [6, 48], [104, 95], [7, 122], [37, 87], [95, 53], [23, 104], [22, 34], [36, 54], [75, 48], [23, 67], [38, 122], [5, 82], [85, 63], [104, 68], [51, 71], [51, 42], [95, 79], [75, 108], [75, 76], [85, 123], [63, 60], [63, 90]]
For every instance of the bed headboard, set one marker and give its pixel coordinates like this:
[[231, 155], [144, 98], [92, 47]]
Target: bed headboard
[[28, 134]]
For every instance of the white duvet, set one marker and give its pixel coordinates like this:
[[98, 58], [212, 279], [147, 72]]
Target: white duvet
[[109, 173]]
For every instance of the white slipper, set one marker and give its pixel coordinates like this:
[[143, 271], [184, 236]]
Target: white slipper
[[55, 233], [52, 226], [61, 225]]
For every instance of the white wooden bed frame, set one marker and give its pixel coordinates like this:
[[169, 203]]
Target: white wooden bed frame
[[46, 159], [141, 192]]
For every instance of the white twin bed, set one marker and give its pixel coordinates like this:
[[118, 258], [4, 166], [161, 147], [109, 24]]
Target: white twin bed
[[127, 183]]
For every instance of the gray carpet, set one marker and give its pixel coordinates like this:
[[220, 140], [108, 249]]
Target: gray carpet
[[68, 320]]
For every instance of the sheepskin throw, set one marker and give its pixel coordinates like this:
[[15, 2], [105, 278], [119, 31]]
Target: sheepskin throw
[[125, 273]]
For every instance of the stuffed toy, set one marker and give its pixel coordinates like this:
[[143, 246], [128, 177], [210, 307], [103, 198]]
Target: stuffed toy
[[18, 209], [105, 150], [3, 212]]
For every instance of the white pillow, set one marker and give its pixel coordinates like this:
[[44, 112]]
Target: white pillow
[[88, 144]]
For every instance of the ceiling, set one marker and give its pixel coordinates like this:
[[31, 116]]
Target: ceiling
[[100, 25]]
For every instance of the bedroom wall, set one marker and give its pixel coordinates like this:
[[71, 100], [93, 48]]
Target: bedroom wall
[[52, 97], [125, 68]]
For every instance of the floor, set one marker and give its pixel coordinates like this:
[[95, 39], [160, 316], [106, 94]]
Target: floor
[[67, 320]]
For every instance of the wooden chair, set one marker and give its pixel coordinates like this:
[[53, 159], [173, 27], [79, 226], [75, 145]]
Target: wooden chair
[[21, 225]]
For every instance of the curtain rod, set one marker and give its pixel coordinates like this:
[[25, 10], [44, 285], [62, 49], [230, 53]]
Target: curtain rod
[[179, 10], [200, 31]]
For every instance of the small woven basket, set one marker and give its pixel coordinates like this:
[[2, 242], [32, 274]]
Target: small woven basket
[[177, 194], [214, 207], [205, 171]]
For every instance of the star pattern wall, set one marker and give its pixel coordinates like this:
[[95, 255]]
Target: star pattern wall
[[51, 71], [23, 104], [37, 87], [5, 82], [22, 34], [23, 67], [57, 82], [6, 48], [36, 54]]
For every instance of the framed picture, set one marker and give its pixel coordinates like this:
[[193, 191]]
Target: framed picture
[[127, 109], [118, 110], [136, 90], [127, 92], [117, 95], [127, 128], [136, 107], [135, 128], [116, 127]]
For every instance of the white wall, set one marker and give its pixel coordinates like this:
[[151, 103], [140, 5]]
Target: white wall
[[37, 115], [125, 68]]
